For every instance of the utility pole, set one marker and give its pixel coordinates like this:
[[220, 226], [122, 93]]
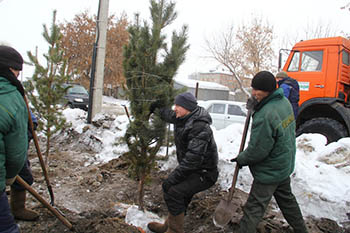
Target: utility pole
[[98, 61]]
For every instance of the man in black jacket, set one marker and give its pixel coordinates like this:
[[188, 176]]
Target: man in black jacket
[[197, 157]]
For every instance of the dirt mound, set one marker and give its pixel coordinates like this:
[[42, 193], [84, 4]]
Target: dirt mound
[[87, 193]]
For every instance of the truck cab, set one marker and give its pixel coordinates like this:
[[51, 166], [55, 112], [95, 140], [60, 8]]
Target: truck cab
[[322, 69]]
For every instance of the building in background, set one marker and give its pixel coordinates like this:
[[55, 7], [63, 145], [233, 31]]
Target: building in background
[[220, 77], [226, 79], [206, 90]]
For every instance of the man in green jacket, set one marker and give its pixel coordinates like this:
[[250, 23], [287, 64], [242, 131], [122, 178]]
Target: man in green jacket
[[270, 156], [13, 130]]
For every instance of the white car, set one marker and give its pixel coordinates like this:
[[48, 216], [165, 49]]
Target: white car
[[224, 113]]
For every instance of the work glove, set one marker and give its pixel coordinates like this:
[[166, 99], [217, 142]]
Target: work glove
[[251, 103], [154, 106], [166, 185], [9, 181], [35, 125], [235, 160]]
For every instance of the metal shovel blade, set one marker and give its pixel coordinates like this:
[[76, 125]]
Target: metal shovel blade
[[224, 212]]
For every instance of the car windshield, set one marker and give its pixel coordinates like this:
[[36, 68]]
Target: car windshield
[[77, 90]]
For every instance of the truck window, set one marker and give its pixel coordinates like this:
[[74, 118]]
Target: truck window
[[345, 58], [294, 64], [311, 61]]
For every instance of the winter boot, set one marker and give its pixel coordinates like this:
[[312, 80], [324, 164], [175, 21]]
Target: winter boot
[[158, 227], [176, 223], [19, 211]]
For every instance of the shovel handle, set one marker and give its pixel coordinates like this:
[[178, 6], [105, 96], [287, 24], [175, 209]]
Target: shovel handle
[[45, 203], [244, 137], [42, 163]]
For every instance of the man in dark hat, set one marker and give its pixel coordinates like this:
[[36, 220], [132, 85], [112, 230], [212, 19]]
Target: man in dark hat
[[197, 157], [13, 130], [10, 66], [270, 156], [290, 88]]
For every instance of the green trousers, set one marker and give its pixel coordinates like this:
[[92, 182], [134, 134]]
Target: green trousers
[[260, 196]]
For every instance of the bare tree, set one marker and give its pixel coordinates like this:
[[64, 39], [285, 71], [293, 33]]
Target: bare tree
[[256, 46], [223, 49], [347, 6], [245, 51], [310, 31], [320, 30]]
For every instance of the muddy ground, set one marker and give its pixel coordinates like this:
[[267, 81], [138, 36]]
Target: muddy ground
[[88, 194]]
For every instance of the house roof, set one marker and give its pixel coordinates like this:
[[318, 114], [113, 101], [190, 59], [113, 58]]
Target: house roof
[[201, 84]]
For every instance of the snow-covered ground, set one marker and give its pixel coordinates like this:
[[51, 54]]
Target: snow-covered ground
[[321, 180]]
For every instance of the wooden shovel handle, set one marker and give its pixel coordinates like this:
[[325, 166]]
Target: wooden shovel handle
[[37, 147], [244, 137]]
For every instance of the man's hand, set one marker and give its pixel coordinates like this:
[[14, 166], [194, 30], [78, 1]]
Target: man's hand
[[235, 160], [251, 103], [10, 181]]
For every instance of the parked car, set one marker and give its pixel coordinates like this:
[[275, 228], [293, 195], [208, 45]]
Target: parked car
[[77, 96], [224, 113]]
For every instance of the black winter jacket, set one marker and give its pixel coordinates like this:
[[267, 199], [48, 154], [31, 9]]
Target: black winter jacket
[[195, 145]]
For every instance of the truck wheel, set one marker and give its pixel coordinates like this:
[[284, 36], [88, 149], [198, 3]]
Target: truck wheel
[[331, 129]]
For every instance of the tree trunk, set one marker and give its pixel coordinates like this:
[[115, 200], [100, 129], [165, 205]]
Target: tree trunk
[[141, 191]]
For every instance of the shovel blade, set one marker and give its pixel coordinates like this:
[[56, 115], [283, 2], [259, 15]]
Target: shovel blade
[[224, 212]]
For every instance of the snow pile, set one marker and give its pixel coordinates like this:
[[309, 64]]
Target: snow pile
[[139, 218], [113, 145], [321, 182]]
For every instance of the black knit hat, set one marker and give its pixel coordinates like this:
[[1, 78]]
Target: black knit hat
[[264, 81], [9, 57], [186, 100]]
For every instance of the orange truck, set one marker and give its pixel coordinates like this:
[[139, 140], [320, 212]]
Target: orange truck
[[322, 69]]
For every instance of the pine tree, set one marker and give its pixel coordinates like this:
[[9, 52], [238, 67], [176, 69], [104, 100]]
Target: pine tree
[[47, 83], [149, 68]]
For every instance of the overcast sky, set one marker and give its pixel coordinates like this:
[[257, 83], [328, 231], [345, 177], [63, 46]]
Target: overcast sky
[[21, 21]]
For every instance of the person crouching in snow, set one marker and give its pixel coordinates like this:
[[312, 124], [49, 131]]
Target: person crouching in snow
[[197, 157]]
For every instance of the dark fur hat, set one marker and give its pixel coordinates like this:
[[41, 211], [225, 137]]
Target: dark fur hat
[[9, 57]]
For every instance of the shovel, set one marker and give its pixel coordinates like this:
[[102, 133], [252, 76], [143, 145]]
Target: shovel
[[45, 203], [42, 163], [225, 211]]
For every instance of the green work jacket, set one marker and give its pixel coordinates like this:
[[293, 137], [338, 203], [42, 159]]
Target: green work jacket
[[270, 154], [13, 131]]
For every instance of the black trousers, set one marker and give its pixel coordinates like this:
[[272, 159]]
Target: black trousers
[[26, 172], [259, 198], [26, 175], [180, 195]]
